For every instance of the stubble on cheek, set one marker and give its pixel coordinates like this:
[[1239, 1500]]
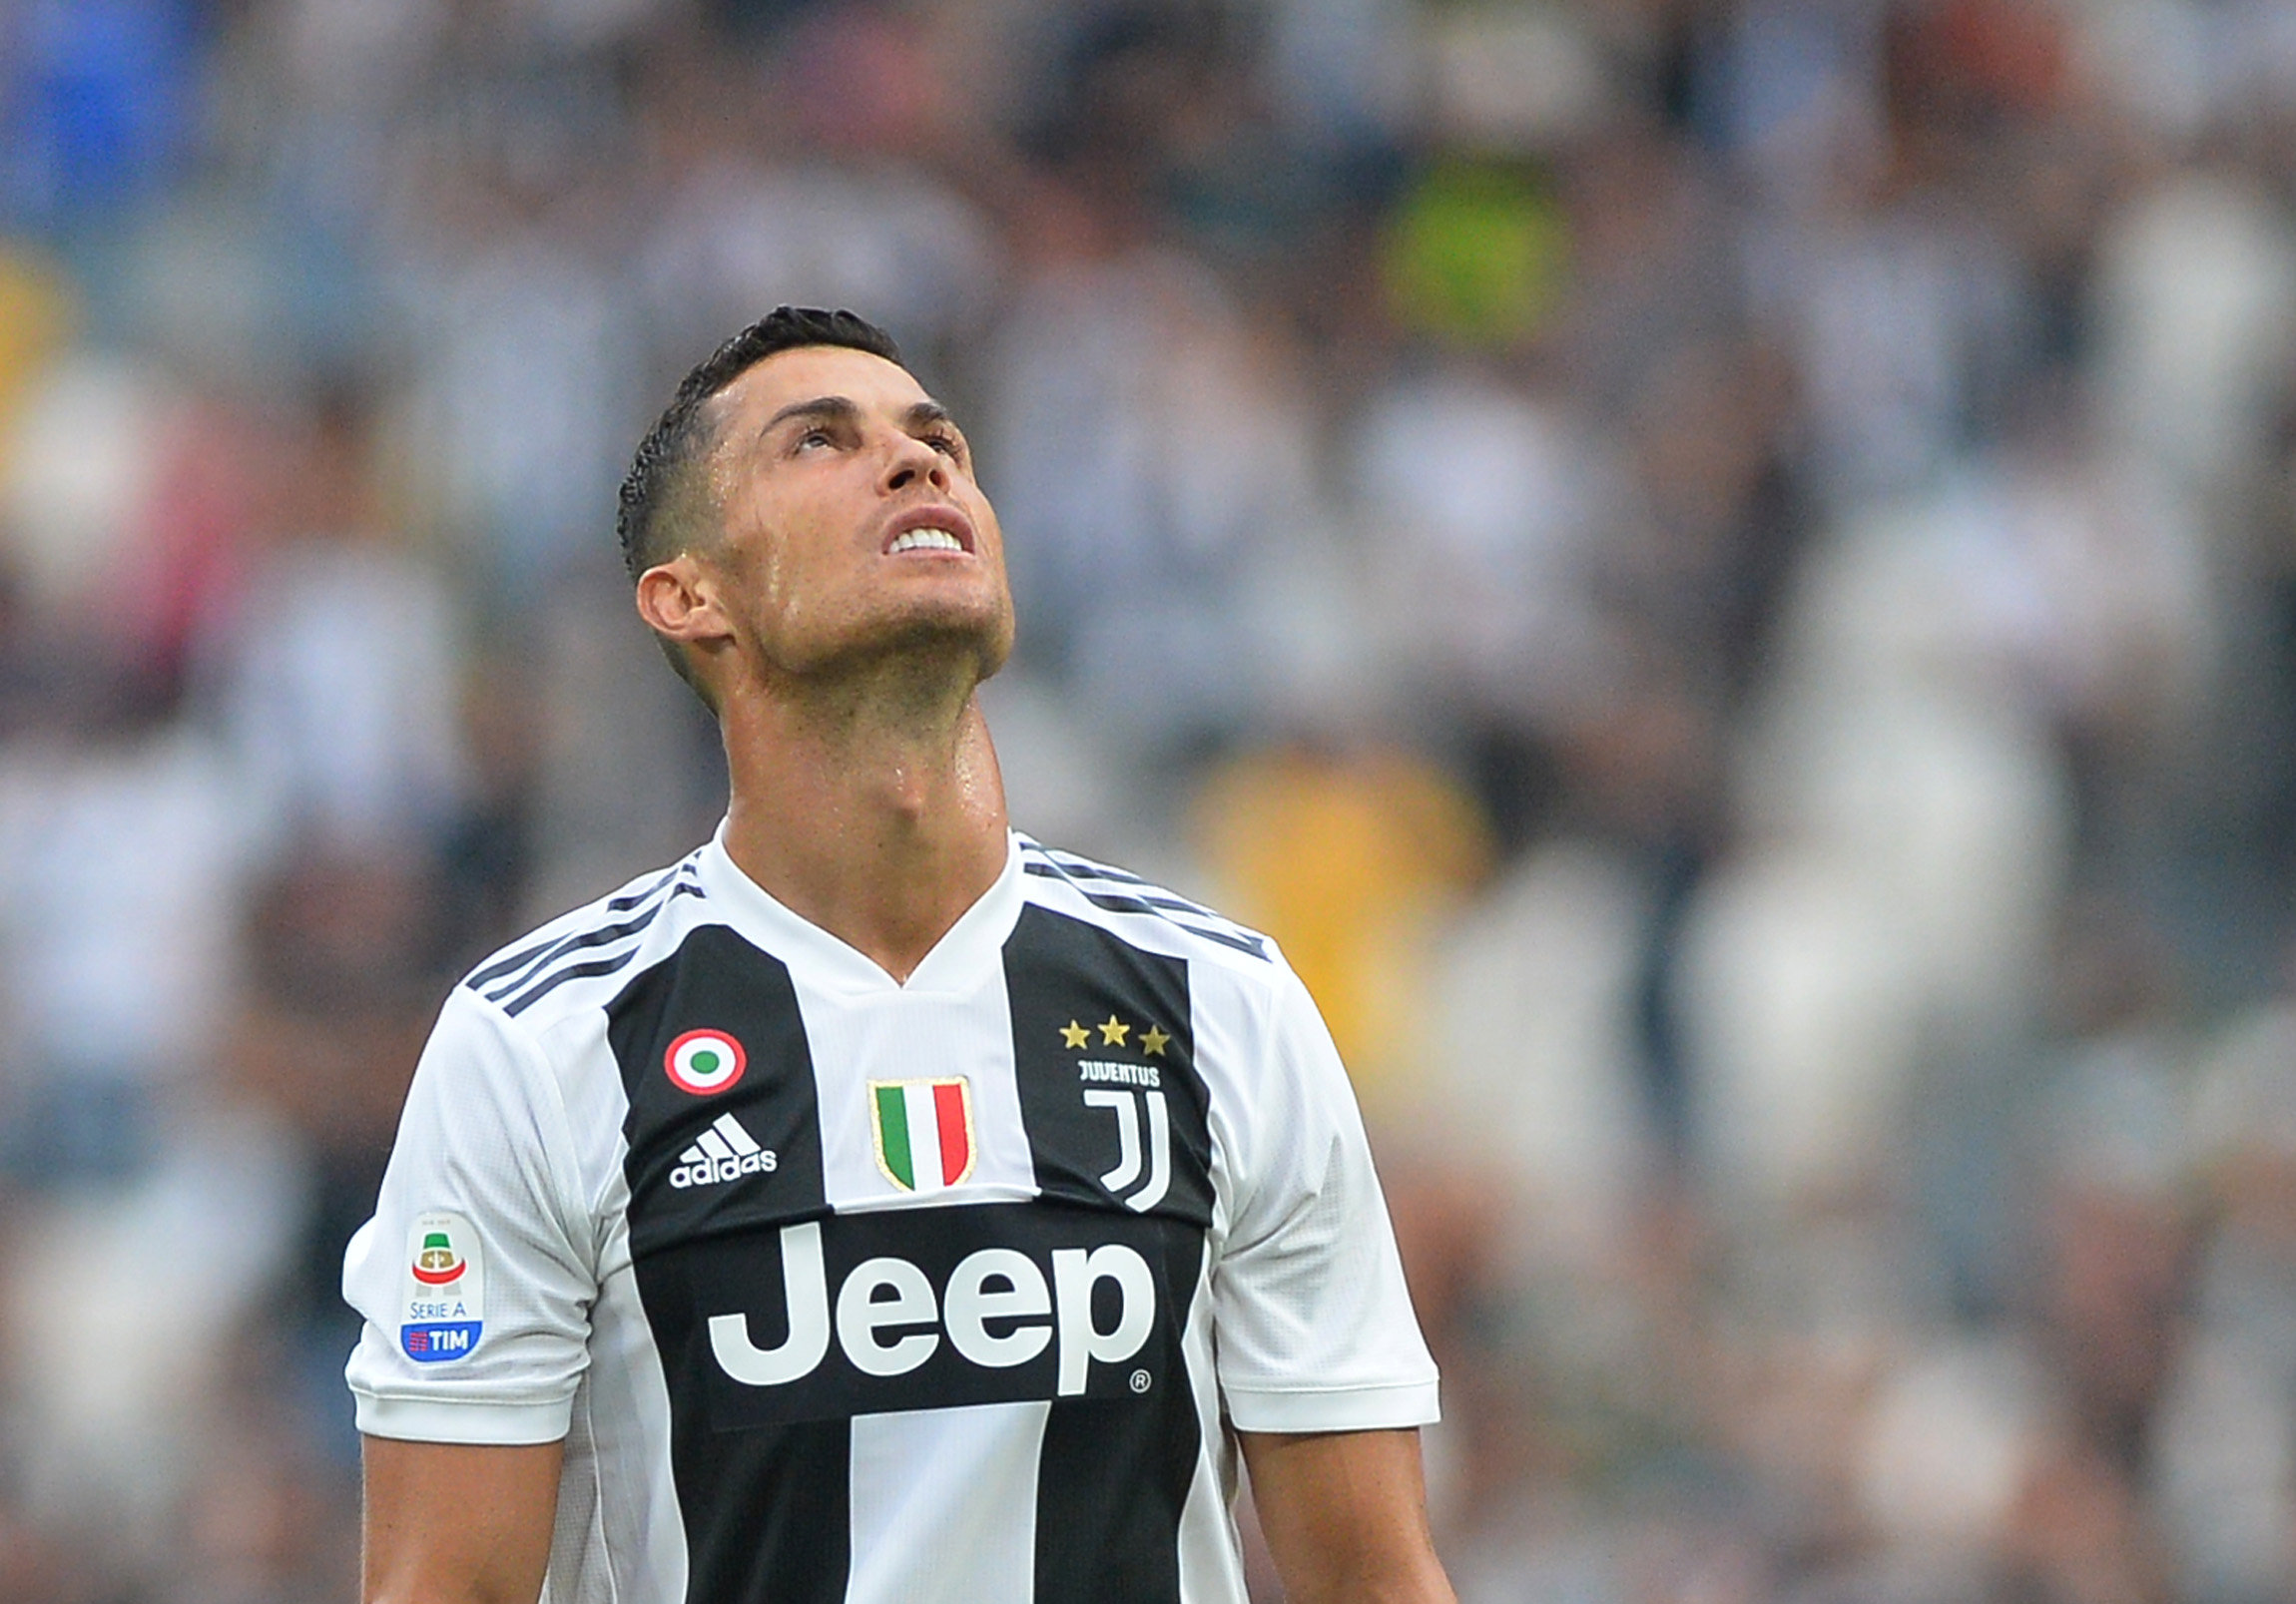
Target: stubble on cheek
[[774, 615]]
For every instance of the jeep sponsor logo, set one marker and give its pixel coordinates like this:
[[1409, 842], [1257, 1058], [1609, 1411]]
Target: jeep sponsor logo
[[888, 1309], [884, 1300]]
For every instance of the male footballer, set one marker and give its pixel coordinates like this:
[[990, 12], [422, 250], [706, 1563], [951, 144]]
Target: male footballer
[[874, 1205]]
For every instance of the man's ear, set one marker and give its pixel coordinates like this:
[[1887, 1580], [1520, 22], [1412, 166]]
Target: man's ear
[[679, 602]]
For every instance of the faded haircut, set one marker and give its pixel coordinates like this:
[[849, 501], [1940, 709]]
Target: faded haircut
[[652, 518], [664, 508]]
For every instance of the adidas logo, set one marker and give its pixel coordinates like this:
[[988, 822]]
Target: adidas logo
[[724, 1152]]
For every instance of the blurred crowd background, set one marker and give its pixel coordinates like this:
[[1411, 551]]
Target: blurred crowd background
[[1722, 572]]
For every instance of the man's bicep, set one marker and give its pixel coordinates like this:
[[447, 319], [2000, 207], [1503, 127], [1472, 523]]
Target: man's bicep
[[457, 1523], [1345, 1513]]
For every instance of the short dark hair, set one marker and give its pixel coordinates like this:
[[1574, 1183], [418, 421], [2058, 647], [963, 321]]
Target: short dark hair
[[655, 503]]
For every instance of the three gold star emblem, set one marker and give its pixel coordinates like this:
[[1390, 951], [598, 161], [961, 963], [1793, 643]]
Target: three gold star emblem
[[1115, 1032]]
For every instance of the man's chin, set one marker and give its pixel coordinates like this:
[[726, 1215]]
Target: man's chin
[[969, 645]]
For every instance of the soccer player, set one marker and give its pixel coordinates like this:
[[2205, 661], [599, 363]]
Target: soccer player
[[876, 1205]]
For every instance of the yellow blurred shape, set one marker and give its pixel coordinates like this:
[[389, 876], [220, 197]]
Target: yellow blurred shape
[[1348, 860], [38, 313]]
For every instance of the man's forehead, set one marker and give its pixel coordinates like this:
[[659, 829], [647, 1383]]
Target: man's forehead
[[806, 371]]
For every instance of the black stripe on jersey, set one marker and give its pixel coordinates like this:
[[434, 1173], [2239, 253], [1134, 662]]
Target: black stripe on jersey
[[716, 981], [767, 1511], [541, 952], [1112, 1481], [1148, 899], [1079, 1098]]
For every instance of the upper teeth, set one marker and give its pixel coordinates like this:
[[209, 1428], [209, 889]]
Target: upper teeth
[[929, 539]]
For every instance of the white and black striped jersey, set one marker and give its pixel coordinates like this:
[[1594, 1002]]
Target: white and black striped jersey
[[840, 1288]]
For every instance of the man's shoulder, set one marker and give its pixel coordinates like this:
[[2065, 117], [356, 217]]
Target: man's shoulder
[[598, 942], [1140, 912]]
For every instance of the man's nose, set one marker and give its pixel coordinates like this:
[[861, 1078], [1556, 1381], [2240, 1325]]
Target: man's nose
[[913, 459]]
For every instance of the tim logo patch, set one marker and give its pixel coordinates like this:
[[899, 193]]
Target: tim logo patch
[[445, 1304]]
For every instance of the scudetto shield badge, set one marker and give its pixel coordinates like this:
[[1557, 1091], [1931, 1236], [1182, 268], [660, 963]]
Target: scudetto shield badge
[[924, 1131]]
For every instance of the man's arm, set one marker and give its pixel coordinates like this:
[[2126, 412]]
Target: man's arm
[[454, 1523], [1344, 1514]]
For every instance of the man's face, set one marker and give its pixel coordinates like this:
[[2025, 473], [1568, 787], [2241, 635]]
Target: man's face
[[852, 527]]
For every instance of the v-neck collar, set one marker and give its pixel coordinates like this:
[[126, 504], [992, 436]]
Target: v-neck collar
[[958, 962]]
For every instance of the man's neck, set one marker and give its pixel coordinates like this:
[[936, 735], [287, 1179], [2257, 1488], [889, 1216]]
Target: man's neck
[[869, 805]]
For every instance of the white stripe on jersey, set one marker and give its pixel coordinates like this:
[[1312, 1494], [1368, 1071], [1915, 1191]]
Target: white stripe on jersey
[[956, 1485], [916, 1029]]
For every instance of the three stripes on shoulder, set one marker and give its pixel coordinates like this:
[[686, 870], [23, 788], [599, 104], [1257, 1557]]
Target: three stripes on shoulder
[[1115, 890], [523, 978]]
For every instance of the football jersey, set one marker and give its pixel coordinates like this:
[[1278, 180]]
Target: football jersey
[[844, 1288]]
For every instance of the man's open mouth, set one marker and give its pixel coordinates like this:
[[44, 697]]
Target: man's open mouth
[[927, 539], [929, 528]]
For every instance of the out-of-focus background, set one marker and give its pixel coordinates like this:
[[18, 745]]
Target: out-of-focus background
[[1722, 572]]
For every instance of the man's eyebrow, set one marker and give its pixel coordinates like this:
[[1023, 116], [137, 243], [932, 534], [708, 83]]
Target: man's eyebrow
[[826, 408], [922, 414]]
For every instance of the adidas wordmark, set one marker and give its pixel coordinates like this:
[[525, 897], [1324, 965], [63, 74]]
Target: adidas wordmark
[[724, 1152]]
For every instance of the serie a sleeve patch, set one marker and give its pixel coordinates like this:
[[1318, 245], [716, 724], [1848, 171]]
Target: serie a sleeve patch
[[444, 1310]]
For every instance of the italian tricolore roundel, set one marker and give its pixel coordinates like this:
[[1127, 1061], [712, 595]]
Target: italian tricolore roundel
[[705, 1061]]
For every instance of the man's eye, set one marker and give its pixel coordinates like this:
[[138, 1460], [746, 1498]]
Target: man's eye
[[814, 438], [949, 444]]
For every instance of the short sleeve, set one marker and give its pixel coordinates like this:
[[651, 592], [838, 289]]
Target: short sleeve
[[477, 1272], [1312, 1320]]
